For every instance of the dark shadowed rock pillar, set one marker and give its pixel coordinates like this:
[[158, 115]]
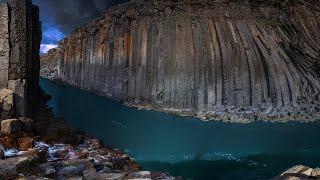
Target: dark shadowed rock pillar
[[19, 53]]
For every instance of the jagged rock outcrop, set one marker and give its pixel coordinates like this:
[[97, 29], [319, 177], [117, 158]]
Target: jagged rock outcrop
[[299, 172], [229, 60], [20, 37]]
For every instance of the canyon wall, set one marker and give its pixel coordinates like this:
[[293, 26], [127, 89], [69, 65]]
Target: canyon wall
[[229, 60], [20, 37]]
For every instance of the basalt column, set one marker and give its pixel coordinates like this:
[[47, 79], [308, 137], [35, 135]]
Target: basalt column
[[20, 36], [229, 60]]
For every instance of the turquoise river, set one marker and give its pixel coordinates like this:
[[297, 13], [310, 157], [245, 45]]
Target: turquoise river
[[185, 146]]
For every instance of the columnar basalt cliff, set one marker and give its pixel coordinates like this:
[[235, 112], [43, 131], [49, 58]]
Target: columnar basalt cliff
[[229, 60], [20, 37]]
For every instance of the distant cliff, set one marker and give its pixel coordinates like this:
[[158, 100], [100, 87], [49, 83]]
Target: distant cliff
[[228, 60]]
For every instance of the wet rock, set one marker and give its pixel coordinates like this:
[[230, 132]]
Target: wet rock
[[25, 143], [75, 162], [315, 172], [109, 176], [299, 172], [6, 100], [139, 175], [37, 155], [89, 173], [74, 167], [295, 169], [107, 164], [307, 172], [10, 126], [159, 175], [71, 170], [47, 170], [12, 166], [82, 154], [104, 170]]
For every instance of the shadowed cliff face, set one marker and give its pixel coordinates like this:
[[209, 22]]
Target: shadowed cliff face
[[233, 61]]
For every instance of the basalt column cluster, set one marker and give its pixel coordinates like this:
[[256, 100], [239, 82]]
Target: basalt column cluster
[[229, 60], [20, 36]]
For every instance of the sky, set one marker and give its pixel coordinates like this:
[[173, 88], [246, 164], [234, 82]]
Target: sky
[[60, 17]]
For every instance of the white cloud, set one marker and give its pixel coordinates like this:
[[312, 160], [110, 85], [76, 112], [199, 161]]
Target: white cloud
[[44, 48]]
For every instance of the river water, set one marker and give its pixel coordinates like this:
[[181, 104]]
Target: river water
[[188, 147]]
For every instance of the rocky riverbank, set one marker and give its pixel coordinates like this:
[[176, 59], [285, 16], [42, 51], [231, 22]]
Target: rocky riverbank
[[47, 148], [235, 114], [230, 114]]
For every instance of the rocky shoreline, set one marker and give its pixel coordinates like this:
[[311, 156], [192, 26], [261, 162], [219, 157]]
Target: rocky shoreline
[[299, 172], [230, 114], [47, 148]]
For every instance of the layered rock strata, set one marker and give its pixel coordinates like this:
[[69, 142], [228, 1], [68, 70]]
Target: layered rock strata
[[20, 37], [231, 60]]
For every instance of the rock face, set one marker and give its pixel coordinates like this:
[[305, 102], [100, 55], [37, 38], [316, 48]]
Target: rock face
[[20, 36], [299, 172], [10, 126], [229, 60], [7, 104]]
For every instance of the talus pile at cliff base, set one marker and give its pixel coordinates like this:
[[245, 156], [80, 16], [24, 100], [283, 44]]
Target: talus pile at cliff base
[[225, 60]]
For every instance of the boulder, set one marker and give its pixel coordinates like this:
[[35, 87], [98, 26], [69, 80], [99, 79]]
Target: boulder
[[159, 175], [89, 173], [19, 88], [25, 143], [139, 175], [74, 167], [9, 142], [109, 176], [37, 155], [47, 170], [10, 126], [6, 100], [82, 154], [11, 167], [71, 170], [307, 172], [315, 172], [295, 170], [76, 162]]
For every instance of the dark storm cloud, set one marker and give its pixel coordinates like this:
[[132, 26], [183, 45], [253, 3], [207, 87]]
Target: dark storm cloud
[[68, 14], [60, 17]]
